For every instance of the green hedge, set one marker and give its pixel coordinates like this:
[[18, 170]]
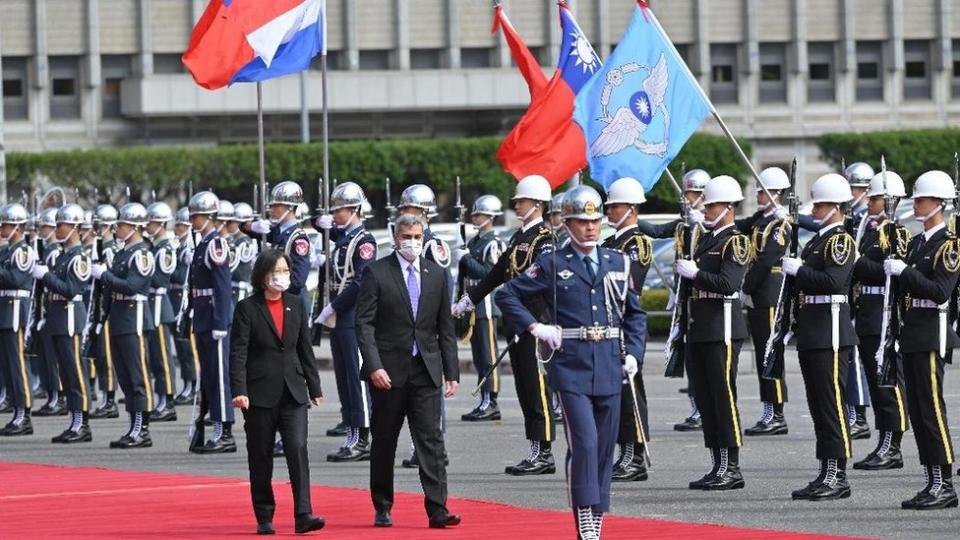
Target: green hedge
[[656, 300], [232, 170], [909, 153]]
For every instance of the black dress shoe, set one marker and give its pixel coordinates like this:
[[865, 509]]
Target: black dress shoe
[[690, 424], [13, 430], [469, 417], [340, 430], [84, 434], [911, 504], [731, 479], [107, 410], [490, 413], [699, 484], [413, 462], [357, 452], [186, 398], [222, 445], [167, 414], [142, 440], [880, 462], [444, 520], [265, 528], [5, 406], [308, 522], [382, 519], [542, 463], [277, 449], [823, 491], [631, 472], [39, 394], [859, 430], [56, 409], [776, 426], [558, 416], [945, 497]]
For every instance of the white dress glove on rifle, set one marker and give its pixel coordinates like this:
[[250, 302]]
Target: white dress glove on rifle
[[695, 217], [98, 270], [325, 314], [894, 267], [780, 212], [260, 226], [687, 269], [630, 366], [464, 305], [791, 265], [325, 222], [39, 271], [219, 335], [550, 335]]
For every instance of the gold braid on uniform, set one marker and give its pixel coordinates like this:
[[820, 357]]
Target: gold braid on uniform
[[782, 228], [644, 248], [839, 248], [743, 251], [468, 335], [515, 268], [949, 253], [678, 241], [902, 240]]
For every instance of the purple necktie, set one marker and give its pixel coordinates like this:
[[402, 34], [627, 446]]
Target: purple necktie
[[413, 289]]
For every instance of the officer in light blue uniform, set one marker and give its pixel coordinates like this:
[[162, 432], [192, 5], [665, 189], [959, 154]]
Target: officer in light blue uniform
[[598, 337], [212, 306], [283, 232], [16, 261], [353, 250]]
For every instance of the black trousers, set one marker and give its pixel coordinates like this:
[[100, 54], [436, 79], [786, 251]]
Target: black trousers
[[633, 429], [161, 361], [713, 372], [106, 373], [73, 372], [532, 391], [889, 404], [16, 375], [419, 402], [130, 360], [761, 322], [261, 424], [924, 377], [45, 362], [825, 378], [483, 344], [187, 357]]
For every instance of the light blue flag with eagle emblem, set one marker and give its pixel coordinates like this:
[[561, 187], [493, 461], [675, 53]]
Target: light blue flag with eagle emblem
[[638, 111]]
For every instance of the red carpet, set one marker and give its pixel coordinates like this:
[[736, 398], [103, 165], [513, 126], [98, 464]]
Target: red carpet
[[45, 501]]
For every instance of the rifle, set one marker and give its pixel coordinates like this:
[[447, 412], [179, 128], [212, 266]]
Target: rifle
[[784, 319], [88, 345], [461, 212], [322, 295], [888, 354], [676, 342]]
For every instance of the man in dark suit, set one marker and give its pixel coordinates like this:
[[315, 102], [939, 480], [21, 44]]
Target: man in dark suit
[[409, 347]]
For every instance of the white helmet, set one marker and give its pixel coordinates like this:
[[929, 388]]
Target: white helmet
[[858, 174], [935, 184], [626, 190], [695, 180], [722, 188], [774, 178], [831, 188], [888, 183], [533, 187]]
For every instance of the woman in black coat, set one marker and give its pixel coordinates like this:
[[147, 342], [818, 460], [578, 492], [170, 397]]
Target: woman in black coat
[[274, 379]]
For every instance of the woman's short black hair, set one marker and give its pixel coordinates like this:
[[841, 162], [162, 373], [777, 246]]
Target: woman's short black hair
[[266, 262]]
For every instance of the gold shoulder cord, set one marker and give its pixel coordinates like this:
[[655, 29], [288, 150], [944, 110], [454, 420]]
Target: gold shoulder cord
[[517, 268], [949, 253], [840, 248], [742, 248], [903, 241], [678, 242], [644, 249]]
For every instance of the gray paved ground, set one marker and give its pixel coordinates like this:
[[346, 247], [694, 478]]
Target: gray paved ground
[[772, 466]]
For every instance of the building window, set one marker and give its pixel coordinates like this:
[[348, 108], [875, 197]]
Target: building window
[[114, 68], [425, 58], [916, 67], [542, 54], [956, 68], [64, 87], [476, 57], [773, 79], [375, 60], [821, 87], [15, 102], [869, 71], [723, 72], [168, 64], [333, 61]]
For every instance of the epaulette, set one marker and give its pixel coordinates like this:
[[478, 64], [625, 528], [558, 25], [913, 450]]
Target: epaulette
[[741, 247], [839, 248], [949, 253], [80, 264]]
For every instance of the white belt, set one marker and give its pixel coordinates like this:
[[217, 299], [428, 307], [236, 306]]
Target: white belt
[[824, 299], [196, 293], [176, 286], [158, 290], [54, 297], [924, 303], [701, 295], [865, 289], [591, 333], [134, 297], [243, 285], [15, 293]]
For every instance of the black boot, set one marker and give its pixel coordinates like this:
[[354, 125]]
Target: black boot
[[941, 493], [82, 434], [692, 422], [139, 434], [715, 457], [107, 410], [728, 473], [340, 430], [804, 493], [53, 408], [5, 406], [20, 425], [834, 484], [185, 397], [886, 455], [540, 461], [585, 523], [771, 422], [859, 429], [355, 448], [167, 413], [222, 441], [911, 504], [631, 467]]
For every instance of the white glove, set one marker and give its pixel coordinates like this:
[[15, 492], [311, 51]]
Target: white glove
[[219, 335], [325, 222], [687, 269], [462, 306], [894, 267], [325, 314], [41, 324], [630, 366], [39, 271], [694, 217], [98, 270], [671, 300], [550, 335], [321, 258], [791, 265], [780, 212], [261, 226], [461, 253]]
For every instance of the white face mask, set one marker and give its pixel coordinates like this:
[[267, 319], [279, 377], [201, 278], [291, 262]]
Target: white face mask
[[411, 249], [279, 282], [346, 224]]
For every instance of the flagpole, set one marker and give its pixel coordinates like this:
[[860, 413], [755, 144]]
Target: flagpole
[[326, 171], [263, 171]]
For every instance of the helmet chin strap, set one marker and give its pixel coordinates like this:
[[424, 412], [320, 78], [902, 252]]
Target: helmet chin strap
[[346, 223], [526, 215], [282, 217], [485, 222], [827, 217], [580, 243], [935, 211], [127, 237], [623, 218], [713, 222]]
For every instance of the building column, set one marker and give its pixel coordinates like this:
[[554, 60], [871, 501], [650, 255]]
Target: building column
[[144, 65], [603, 25], [554, 32], [503, 51], [748, 88], [92, 111], [350, 31], [453, 34], [942, 64], [402, 22], [847, 62], [41, 93], [700, 54], [893, 93], [3, 148], [797, 60]]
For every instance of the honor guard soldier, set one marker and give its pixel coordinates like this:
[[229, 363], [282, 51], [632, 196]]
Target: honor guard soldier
[[623, 199], [716, 330], [179, 294], [825, 333], [477, 259], [769, 233], [925, 287], [598, 335], [164, 251], [104, 219], [212, 305], [283, 232], [16, 262], [66, 317], [130, 320], [889, 402], [39, 342], [354, 248], [555, 216], [88, 240], [244, 251], [533, 239]]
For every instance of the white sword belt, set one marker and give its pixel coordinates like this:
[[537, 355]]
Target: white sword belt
[[697, 294], [823, 299], [54, 297], [869, 289], [197, 293], [158, 290], [242, 285], [591, 333], [14, 293], [132, 297], [926, 304]]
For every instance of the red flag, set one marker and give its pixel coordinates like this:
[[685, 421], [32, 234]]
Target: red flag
[[529, 67], [546, 140]]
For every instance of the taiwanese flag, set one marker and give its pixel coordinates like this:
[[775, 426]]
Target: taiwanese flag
[[546, 140], [254, 40]]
